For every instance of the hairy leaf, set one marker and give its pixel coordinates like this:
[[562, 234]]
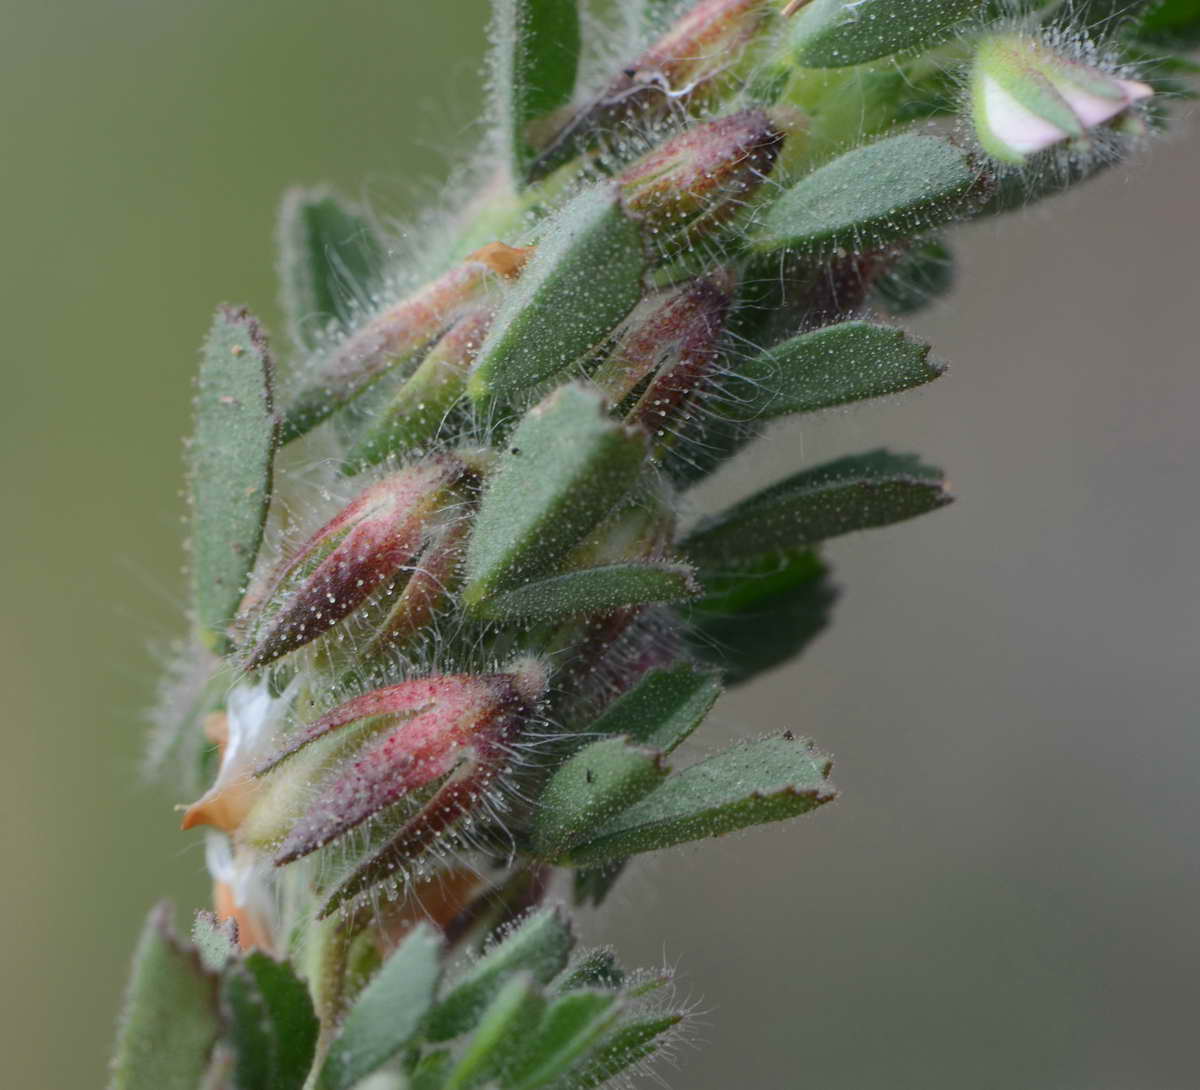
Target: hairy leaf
[[663, 708], [270, 1022], [585, 277], [537, 54], [503, 1032], [748, 784], [329, 256], [573, 1023], [854, 493], [593, 590], [831, 366], [591, 787], [169, 1019], [888, 190], [232, 455], [387, 1013], [626, 1045], [567, 464], [539, 946], [837, 33]]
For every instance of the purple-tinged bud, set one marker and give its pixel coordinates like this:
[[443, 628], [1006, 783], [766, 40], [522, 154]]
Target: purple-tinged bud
[[453, 728], [1025, 97], [402, 330], [683, 67], [670, 347], [371, 540], [436, 574], [700, 178]]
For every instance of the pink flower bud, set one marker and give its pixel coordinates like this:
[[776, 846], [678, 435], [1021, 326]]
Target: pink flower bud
[[1025, 97], [403, 329], [700, 178], [337, 569], [454, 728]]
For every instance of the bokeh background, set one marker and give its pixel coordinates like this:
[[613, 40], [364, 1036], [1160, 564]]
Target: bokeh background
[[1006, 896]]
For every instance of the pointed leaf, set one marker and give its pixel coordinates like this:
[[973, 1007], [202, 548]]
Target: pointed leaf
[[758, 616], [584, 278], [270, 1022], [514, 1013], [595, 969], [570, 1027], [537, 54], [593, 590], [888, 190], [854, 493], [626, 1045], [231, 455], [169, 1019], [663, 708], [567, 464], [598, 782], [540, 946], [329, 256], [748, 784], [832, 366], [836, 33], [387, 1013]]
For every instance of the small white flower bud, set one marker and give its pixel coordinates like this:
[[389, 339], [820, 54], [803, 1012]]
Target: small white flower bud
[[1025, 97]]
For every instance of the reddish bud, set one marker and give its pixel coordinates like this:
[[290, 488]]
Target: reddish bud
[[673, 333], [402, 330], [683, 66], [338, 568], [454, 726], [700, 178]]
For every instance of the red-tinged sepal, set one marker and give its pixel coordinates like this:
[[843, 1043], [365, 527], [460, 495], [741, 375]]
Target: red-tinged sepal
[[679, 325], [372, 540], [455, 729], [700, 178]]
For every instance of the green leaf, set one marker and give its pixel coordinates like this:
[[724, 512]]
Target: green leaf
[[663, 708], [570, 1027], [837, 33], [593, 590], [591, 787], [854, 493], [595, 969], [231, 457], [329, 256], [387, 1013], [541, 946], [169, 1019], [626, 1045], [537, 54], [920, 277], [831, 366], [584, 278], [270, 1023], [567, 464], [215, 940], [760, 615], [1174, 24], [504, 1029], [748, 784], [892, 189], [432, 1071]]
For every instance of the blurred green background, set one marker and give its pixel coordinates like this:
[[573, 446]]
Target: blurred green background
[[1007, 894]]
